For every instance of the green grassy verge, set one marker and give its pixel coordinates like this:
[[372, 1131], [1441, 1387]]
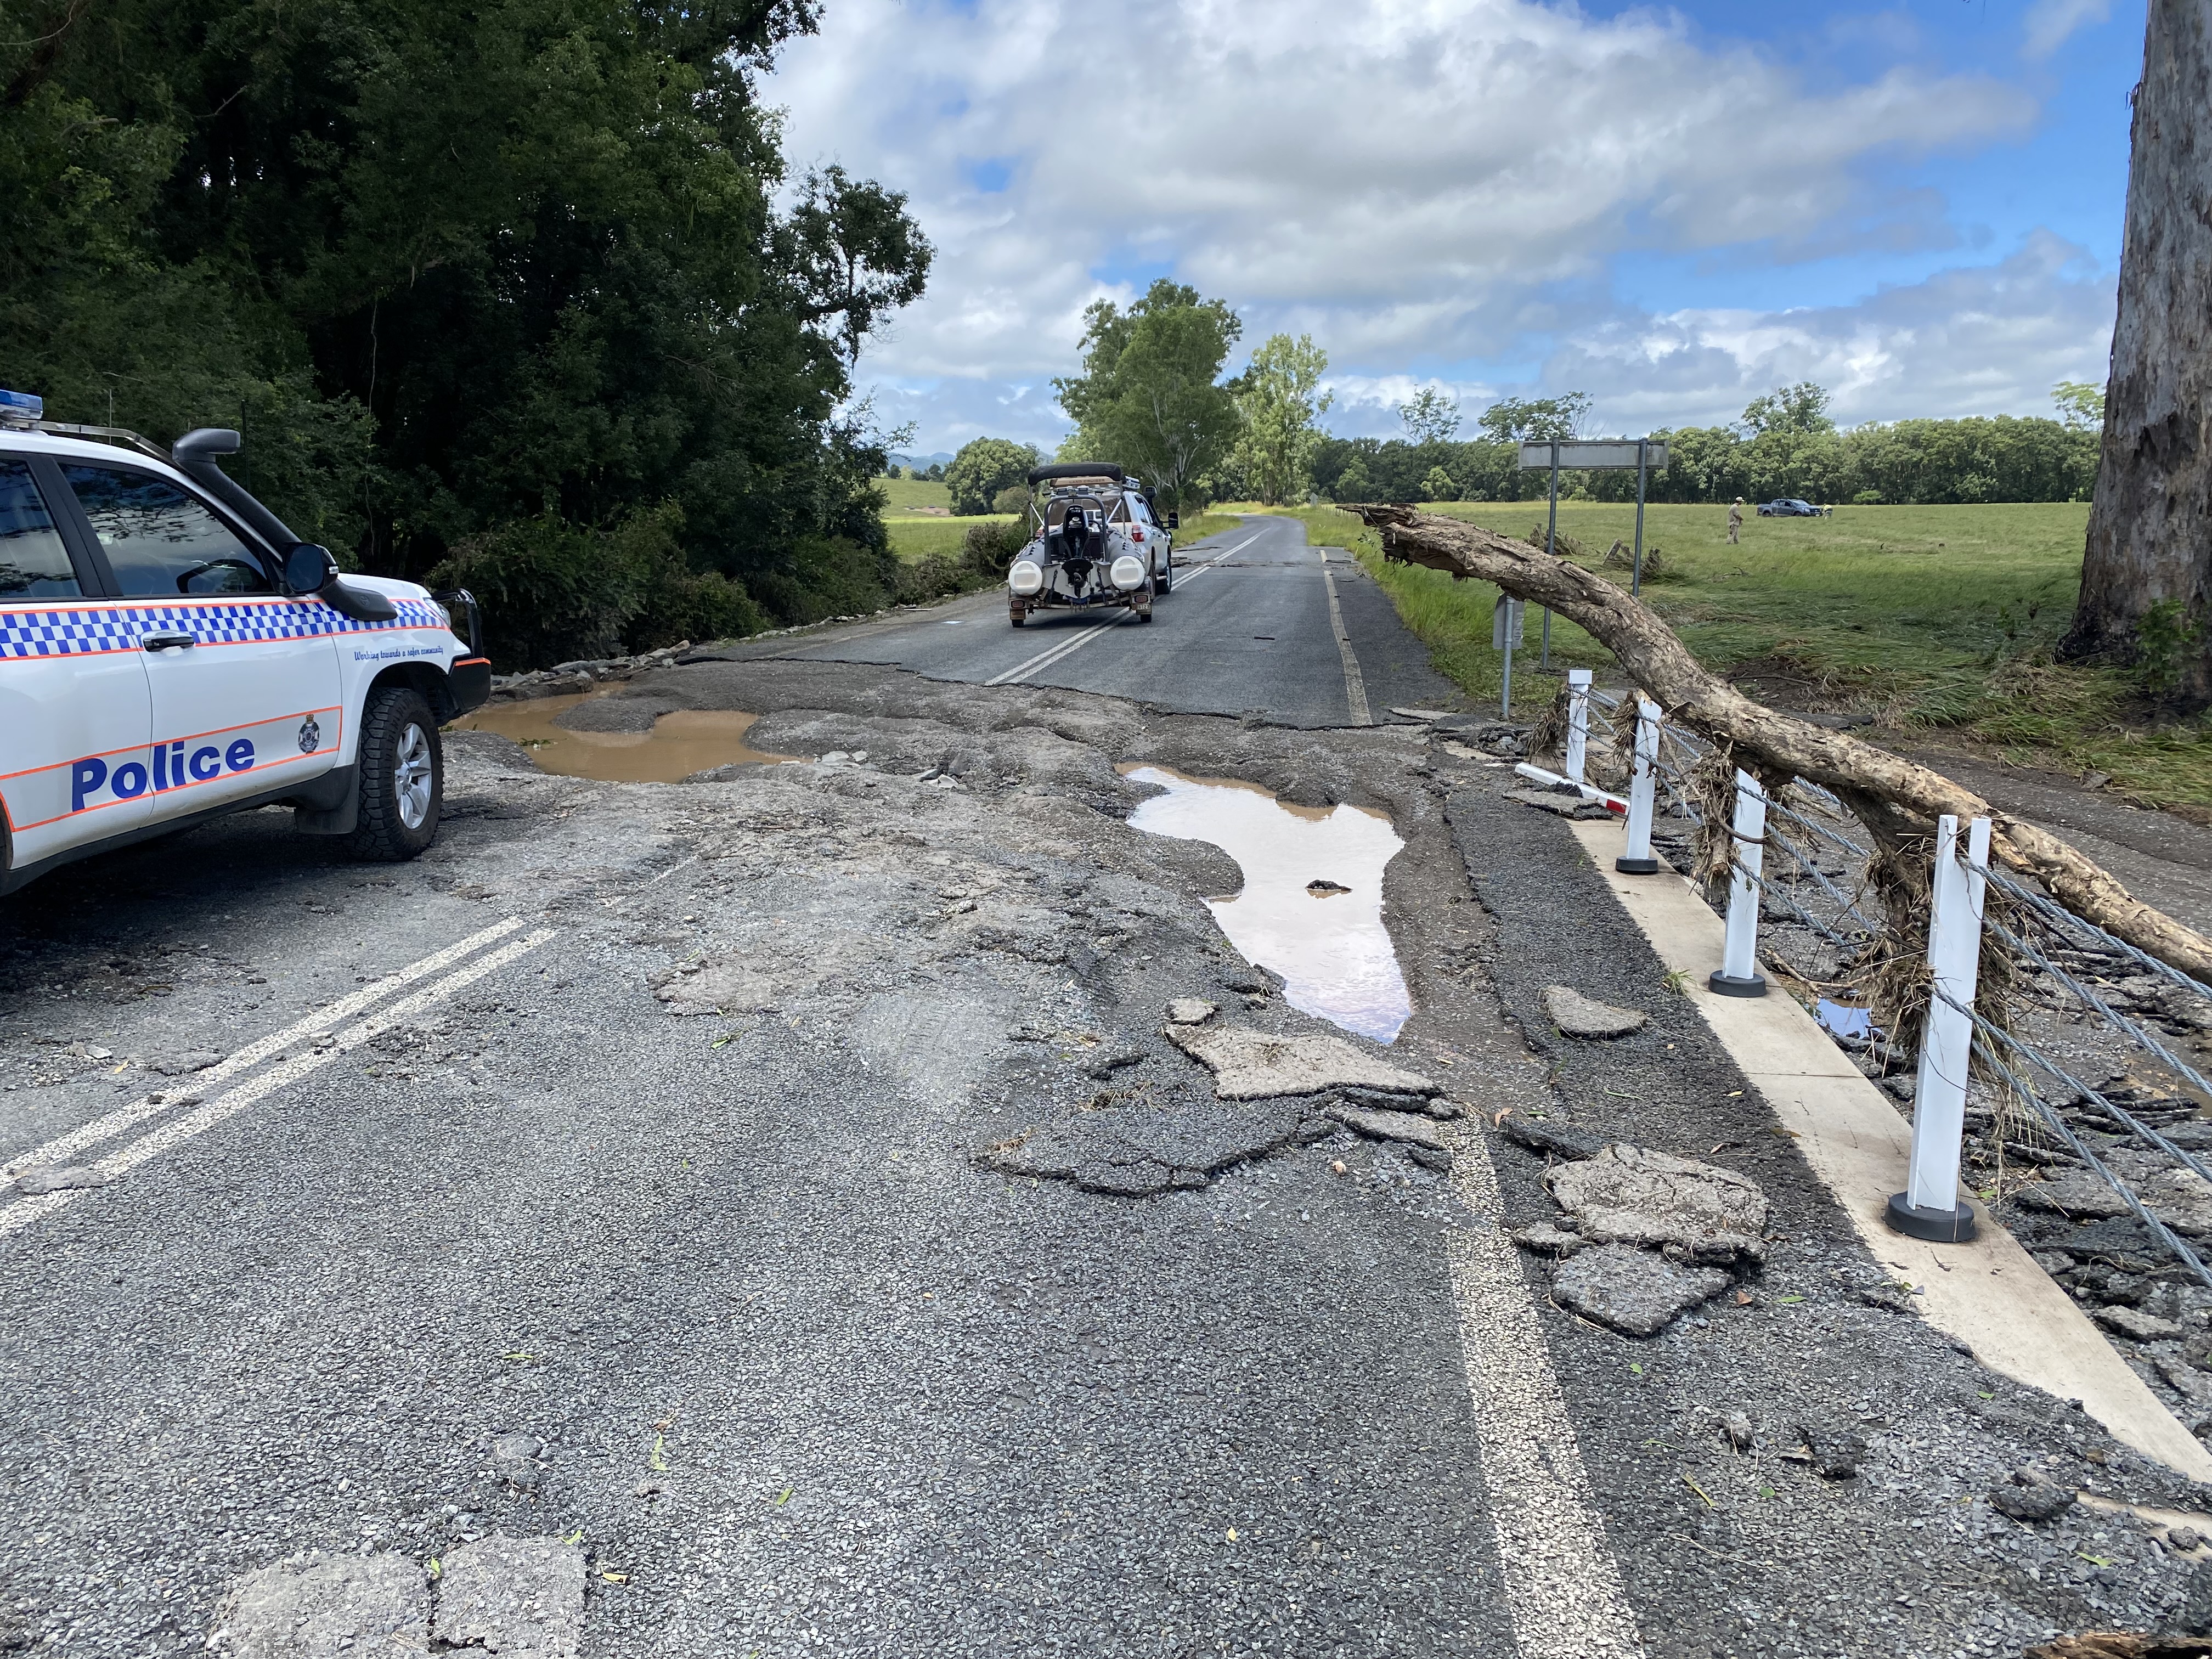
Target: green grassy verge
[[1930, 618], [917, 538], [1197, 526]]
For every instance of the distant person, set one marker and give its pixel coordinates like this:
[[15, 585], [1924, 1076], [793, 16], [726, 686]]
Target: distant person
[[1736, 522]]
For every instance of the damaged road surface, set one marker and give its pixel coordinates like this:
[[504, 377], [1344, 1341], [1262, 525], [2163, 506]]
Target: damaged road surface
[[864, 1206]]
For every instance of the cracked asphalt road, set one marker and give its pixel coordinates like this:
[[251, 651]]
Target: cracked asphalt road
[[810, 1370]]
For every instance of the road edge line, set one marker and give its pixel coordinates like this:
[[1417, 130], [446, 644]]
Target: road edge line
[[1355, 688], [1989, 1293], [1562, 1586]]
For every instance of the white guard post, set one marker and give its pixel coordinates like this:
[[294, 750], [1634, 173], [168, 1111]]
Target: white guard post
[[1738, 975], [1643, 787], [1929, 1206], [1578, 692]]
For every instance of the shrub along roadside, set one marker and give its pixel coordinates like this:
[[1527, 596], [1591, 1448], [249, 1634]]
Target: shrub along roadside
[[553, 591]]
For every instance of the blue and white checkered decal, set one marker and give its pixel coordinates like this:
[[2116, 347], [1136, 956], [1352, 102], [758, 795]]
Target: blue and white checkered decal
[[85, 630]]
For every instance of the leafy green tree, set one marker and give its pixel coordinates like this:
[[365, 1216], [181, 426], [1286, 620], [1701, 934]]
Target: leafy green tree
[[454, 269], [2081, 405], [1535, 420], [1432, 417], [1356, 483], [1279, 397], [856, 255], [983, 468], [1438, 486], [1800, 408], [1149, 396]]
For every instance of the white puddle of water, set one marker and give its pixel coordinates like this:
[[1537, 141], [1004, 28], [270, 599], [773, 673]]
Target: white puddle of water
[[1331, 948]]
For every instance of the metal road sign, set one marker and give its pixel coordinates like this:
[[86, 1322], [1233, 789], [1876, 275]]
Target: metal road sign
[[1585, 452], [1505, 624]]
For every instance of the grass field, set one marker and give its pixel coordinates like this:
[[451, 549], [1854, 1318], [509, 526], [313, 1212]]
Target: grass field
[[904, 494], [1926, 617], [918, 537]]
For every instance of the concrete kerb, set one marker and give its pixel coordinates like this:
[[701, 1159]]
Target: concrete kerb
[[1988, 1293]]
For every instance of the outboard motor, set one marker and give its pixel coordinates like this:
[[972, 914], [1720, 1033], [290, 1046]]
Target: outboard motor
[[1078, 543]]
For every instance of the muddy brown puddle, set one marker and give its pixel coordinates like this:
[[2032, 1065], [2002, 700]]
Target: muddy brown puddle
[[681, 742], [1311, 908]]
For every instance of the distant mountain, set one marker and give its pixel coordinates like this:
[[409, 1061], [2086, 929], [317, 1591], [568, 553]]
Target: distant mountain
[[925, 462]]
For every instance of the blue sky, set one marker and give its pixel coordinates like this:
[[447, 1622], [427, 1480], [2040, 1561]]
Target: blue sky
[[1671, 208]]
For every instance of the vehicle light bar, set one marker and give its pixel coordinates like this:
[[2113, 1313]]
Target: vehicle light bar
[[20, 409]]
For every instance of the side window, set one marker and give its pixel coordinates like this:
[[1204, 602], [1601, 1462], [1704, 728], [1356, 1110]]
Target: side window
[[33, 563], [160, 540]]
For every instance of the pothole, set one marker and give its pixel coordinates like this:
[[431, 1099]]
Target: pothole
[[682, 742], [1311, 908]]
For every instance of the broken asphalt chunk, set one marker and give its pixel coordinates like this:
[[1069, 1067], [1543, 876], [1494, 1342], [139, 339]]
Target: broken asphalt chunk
[[1190, 1011], [1579, 1016], [1548, 1240], [1415, 1131], [1630, 1195], [1248, 1065], [1631, 1291], [320, 1605]]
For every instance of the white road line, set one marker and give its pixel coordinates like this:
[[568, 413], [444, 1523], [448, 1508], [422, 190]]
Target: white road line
[[1065, 648], [62, 1149], [1562, 1587], [1044, 660], [228, 1105], [1355, 689], [1235, 551]]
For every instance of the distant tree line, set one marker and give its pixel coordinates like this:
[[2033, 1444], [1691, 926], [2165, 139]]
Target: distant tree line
[[1786, 443]]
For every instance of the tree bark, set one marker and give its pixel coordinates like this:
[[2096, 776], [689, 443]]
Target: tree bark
[[1659, 662], [2150, 525]]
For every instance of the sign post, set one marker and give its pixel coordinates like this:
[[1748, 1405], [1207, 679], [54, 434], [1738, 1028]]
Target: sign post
[[1504, 634], [1643, 465]]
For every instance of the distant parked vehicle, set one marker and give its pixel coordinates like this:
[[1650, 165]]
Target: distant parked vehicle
[[1790, 507], [1099, 542]]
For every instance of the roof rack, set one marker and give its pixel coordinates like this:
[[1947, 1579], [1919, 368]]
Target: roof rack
[[121, 437], [1069, 471]]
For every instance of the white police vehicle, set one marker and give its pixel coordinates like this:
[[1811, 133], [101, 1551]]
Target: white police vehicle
[[1100, 543], [169, 651]]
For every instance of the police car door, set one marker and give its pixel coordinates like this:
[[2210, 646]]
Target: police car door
[[74, 708], [244, 679]]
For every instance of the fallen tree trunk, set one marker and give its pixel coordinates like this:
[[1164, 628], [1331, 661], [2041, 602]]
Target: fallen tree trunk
[[1658, 661]]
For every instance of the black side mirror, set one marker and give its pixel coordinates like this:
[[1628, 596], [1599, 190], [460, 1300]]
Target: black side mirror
[[309, 568], [1175, 520]]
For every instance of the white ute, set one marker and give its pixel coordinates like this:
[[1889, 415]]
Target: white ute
[[169, 651], [1099, 543]]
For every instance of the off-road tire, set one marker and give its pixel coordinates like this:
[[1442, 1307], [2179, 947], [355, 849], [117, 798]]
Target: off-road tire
[[397, 727], [1161, 582]]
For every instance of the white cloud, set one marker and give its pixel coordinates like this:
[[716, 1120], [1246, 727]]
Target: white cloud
[[2050, 23], [1966, 341], [1415, 182]]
